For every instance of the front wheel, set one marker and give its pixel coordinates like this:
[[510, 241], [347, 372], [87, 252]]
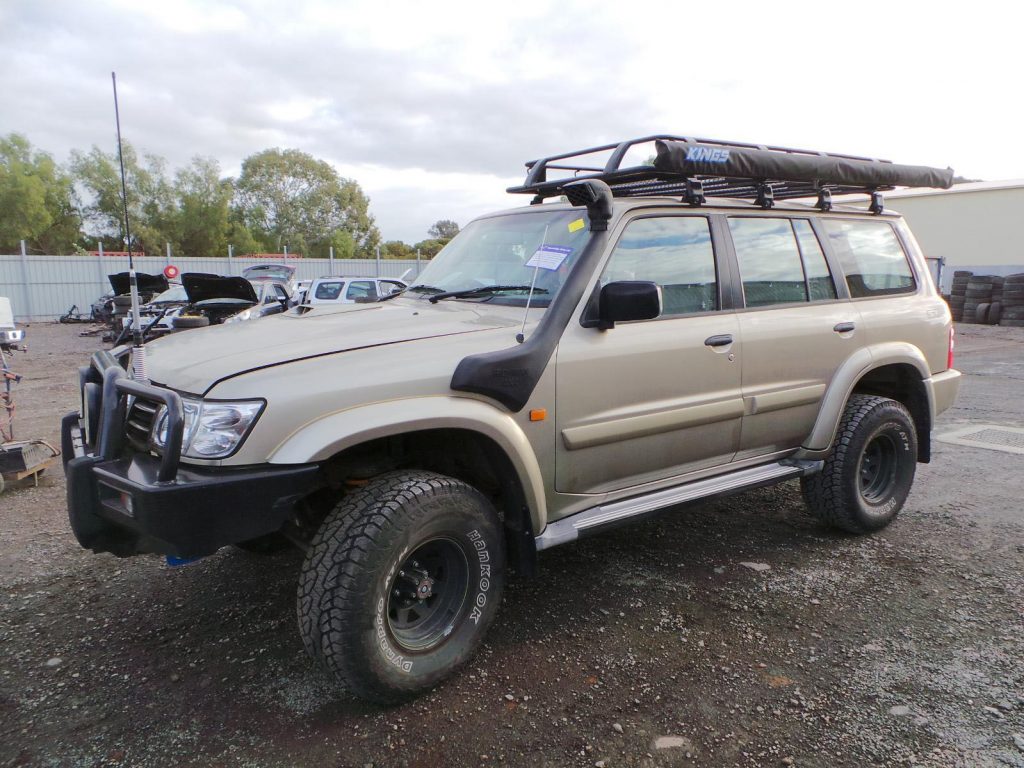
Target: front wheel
[[400, 584], [868, 474]]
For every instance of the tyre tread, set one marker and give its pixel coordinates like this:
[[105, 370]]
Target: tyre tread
[[823, 492], [337, 555]]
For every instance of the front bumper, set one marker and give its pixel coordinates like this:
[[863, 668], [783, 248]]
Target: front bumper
[[129, 503]]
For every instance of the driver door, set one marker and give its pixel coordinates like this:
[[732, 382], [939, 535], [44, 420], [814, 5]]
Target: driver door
[[652, 399]]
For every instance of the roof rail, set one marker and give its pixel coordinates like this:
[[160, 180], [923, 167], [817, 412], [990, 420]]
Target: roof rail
[[695, 169]]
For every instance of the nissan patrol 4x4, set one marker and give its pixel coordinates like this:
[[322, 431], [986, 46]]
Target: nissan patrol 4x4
[[645, 334]]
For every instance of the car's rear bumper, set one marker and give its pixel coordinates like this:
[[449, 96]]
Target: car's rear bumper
[[944, 388]]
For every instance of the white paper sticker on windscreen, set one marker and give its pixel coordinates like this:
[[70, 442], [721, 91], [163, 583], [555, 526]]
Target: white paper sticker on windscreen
[[549, 257]]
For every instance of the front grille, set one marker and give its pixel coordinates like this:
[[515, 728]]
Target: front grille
[[139, 423]]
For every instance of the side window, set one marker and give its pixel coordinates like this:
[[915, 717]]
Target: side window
[[871, 256], [328, 291], [361, 290], [387, 287], [770, 263], [673, 251], [819, 280], [281, 293]]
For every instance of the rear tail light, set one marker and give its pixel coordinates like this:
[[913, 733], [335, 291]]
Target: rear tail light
[[949, 357]]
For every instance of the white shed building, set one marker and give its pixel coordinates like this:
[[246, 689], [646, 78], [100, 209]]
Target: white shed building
[[977, 226]]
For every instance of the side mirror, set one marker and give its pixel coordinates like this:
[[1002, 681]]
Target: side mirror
[[627, 300]]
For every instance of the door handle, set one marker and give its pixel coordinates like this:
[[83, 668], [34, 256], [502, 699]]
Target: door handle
[[844, 327], [722, 340]]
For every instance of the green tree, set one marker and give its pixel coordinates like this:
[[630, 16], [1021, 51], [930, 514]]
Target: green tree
[[342, 242], [203, 207], [444, 229], [241, 239], [396, 249], [151, 204], [429, 248], [36, 200], [287, 197]]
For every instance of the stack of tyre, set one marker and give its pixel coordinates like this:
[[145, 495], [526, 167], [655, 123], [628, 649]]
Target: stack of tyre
[[977, 299], [1012, 313], [995, 307], [957, 296]]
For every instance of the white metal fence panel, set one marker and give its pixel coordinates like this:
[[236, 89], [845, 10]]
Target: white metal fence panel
[[46, 287]]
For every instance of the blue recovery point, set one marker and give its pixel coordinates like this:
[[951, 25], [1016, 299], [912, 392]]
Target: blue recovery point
[[175, 562]]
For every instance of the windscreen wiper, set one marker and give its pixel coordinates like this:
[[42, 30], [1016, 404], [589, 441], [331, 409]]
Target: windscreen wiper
[[421, 288], [482, 289]]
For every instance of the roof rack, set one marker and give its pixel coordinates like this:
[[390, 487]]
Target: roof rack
[[695, 169]]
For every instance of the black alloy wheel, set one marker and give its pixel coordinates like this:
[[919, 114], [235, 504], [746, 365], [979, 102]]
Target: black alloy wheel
[[869, 471], [878, 467], [429, 595]]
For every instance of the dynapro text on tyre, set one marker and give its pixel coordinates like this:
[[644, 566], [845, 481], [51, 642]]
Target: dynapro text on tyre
[[636, 338]]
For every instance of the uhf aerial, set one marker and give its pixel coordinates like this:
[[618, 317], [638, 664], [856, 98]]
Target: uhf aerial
[[138, 343]]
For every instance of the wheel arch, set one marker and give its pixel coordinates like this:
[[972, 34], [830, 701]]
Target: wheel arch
[[462, 437], [898, 371]]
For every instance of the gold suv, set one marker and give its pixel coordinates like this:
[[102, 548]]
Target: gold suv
[[674, 320]]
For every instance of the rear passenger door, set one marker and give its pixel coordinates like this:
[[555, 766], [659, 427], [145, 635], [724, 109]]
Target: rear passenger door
[[651, 399], [796, 327], [880, 278]]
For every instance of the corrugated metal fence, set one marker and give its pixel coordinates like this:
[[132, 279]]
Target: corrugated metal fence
[[45, 287]]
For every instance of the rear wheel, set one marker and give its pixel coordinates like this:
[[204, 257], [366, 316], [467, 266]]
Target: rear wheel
[[400, 584], [868, 475]]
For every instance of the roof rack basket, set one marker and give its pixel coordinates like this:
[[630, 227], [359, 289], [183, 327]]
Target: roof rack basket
[[695, 169]]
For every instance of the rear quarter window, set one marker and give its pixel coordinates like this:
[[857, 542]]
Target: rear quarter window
[[871, 256]]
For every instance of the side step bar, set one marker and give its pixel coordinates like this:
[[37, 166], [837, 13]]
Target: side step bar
[[607, 516]]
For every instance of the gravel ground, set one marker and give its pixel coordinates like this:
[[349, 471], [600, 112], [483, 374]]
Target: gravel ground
[[734, 633]]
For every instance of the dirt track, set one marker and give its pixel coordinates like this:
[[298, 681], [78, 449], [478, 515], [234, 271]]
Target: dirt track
[[902, 648]]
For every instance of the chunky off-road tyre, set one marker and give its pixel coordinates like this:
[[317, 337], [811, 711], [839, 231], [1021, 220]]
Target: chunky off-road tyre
[[191, 321], [868, 474], [401, 583]]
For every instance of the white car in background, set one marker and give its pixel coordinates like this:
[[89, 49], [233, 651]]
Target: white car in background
[[351, 290]]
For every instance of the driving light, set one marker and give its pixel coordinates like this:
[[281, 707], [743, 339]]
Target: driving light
[[212, 429]]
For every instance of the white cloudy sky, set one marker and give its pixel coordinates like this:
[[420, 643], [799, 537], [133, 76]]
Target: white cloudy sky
[[433, 107]]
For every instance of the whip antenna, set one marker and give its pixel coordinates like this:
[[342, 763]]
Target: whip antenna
[[138, 345]]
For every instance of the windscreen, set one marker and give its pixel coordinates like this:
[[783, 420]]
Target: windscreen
[[511, 251]]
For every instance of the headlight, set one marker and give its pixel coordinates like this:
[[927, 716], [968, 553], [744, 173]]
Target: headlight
[[212, 429], [245, 314]]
